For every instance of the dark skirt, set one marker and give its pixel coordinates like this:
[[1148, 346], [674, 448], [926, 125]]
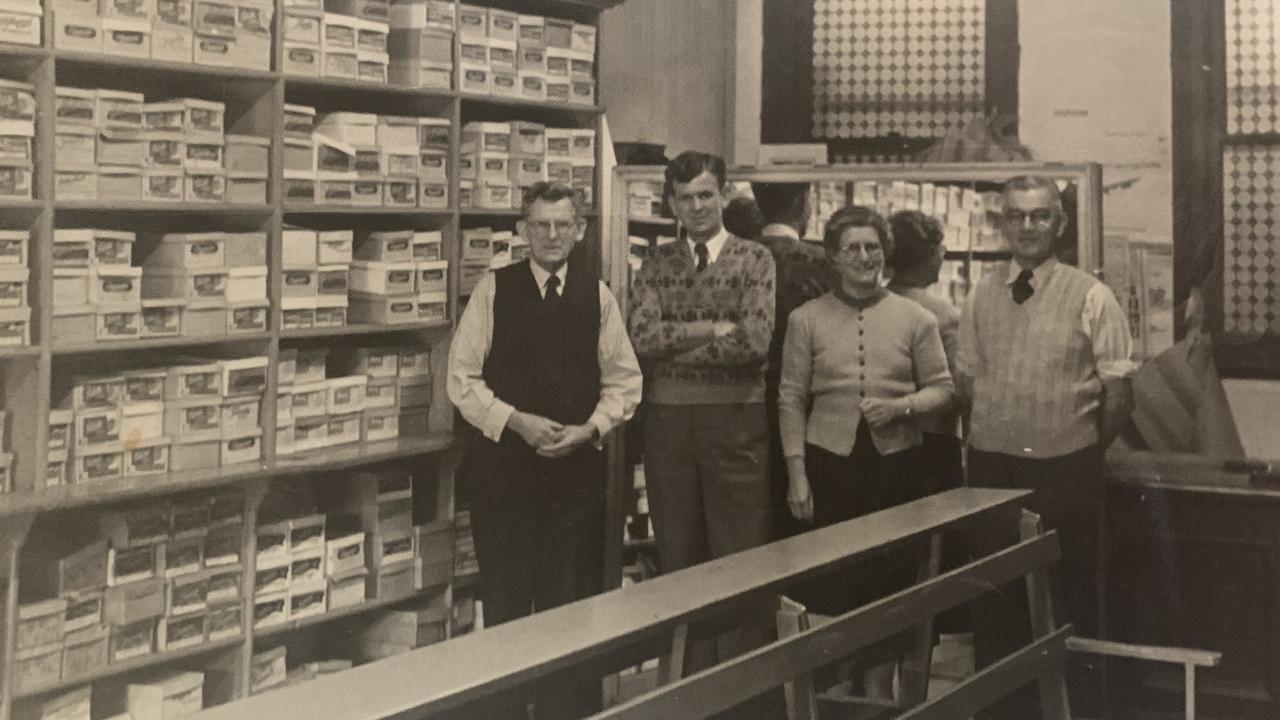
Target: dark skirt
[[846, 487]]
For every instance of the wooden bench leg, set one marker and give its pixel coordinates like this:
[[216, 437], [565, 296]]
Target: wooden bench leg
[[671, 667], [918, 661], [1190, 690], [1053, 687], [801, 698]]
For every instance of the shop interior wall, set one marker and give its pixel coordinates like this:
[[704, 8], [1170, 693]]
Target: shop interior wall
[[666, 72]]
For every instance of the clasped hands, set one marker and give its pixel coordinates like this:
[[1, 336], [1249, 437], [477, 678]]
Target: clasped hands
[[548, 437], [878, 412]]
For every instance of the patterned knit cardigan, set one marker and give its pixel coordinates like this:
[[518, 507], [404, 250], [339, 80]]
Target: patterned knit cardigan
[[668, 294]]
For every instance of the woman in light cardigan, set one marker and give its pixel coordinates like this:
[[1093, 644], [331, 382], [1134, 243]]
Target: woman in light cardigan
[[867, 365]]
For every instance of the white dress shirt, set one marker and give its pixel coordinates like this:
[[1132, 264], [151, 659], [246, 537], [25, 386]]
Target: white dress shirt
[[780, 230], [714, 244], [620, 380]]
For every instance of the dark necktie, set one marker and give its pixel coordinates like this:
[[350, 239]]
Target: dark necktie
[[1022, 287], [553, 289], [700, 249]]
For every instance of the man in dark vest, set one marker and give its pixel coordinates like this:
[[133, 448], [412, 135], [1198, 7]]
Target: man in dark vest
[[541, 365]]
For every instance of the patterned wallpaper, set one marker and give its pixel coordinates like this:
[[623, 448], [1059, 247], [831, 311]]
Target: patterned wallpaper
[[912, 67], [1251, 170]]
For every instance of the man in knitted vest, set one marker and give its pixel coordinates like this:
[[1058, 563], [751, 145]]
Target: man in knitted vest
[[1044, 364], [541, 366], [702, 316]]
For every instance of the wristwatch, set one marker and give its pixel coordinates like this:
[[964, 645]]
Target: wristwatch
[[909, 410]]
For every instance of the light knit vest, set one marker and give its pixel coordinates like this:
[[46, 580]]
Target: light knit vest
[[1037, 390]]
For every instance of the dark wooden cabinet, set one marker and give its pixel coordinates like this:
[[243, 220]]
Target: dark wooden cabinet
[[1192, 559]]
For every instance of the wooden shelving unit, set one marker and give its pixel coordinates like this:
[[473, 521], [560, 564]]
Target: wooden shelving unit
[[28, 375]]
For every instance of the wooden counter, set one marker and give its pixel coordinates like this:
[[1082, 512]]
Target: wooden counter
[[1192, 559]]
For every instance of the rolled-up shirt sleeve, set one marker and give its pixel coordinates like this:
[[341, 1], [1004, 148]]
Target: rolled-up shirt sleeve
[[794, 384], [1107, 327], [467, 354], [620, 378]]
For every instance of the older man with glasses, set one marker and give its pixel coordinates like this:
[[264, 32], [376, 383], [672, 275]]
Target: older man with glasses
[[1044, 364]]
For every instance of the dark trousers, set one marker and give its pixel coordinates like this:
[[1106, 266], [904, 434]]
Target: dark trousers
[[1067, 493], [706, 471], [850, 486], [539, 533]]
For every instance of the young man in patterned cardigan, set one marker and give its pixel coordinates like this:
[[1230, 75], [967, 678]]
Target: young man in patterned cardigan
[[701, 318]]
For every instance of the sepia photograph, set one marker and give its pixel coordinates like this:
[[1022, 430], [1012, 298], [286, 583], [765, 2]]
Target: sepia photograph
[[639, 359]]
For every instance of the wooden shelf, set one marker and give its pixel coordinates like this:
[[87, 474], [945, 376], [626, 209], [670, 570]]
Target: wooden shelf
[[108, 346], [304, 209], [16, 352], [360, 86], [110, 62], [194, 208], [347, 456], [511, 212], [666, 222], [505, 102], [132, 664], [330, 616], [20, 204], [350, 330], [8, 49], [978, 255], [64, 497]]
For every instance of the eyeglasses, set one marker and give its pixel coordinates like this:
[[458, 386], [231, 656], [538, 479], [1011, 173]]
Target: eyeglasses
[[1040, 217], [544, 227], [853, 250]]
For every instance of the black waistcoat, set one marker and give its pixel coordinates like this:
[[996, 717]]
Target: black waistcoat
[[544, 356]]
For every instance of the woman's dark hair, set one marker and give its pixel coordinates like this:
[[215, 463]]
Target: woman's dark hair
[[915, 238], [742, 217], [851, 216]]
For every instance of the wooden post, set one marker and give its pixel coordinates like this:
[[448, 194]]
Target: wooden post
[[13, 532]]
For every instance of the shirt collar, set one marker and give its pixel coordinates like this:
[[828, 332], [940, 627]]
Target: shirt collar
[[540, 276], [713, 245], [1039, 275], [780, 230]]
